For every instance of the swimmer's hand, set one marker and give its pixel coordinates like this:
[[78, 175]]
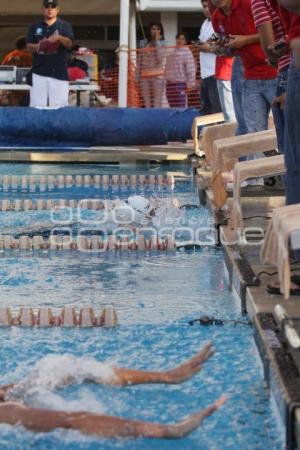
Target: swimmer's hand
[[189, 368]]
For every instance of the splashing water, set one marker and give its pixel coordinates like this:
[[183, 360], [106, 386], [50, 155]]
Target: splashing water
[[56, 371]]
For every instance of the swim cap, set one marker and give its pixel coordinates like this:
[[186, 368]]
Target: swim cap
[[139, 203]]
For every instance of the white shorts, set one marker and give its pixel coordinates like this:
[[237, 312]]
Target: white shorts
[[48, 92]]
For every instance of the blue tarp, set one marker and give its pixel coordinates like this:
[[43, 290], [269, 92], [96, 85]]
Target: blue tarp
[[88, 127]]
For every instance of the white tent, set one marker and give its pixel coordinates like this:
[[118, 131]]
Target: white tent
[[169, 5]]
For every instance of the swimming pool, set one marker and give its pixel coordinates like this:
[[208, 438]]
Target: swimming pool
[[155, 295]]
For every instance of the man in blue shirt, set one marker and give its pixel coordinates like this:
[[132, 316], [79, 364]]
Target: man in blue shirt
[[50, 41]]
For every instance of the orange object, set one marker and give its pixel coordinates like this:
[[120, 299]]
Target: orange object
[[18, 58]]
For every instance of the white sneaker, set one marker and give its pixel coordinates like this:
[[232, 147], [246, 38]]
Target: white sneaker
[[104, 101], [256, 182], [230, 185]]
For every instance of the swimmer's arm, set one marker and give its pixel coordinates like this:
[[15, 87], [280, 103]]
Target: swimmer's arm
[[181, 373]]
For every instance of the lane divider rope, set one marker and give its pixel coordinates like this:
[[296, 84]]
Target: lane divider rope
[[50, 182], [91, 243], [68, 316]]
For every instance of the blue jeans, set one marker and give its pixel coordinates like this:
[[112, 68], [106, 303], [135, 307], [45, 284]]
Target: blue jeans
[[176, 94], [278, 114], [292, 137], [258, 96], [225, 96], [237, 82]]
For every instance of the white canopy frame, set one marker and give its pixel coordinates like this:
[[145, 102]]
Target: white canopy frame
[[127, 10]]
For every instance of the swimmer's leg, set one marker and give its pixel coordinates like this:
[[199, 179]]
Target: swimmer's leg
[[125, 377], [43, 420], [117, 427], [179, 374]]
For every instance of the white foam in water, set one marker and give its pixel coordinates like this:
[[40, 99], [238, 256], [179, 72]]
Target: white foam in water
[[55, 371]]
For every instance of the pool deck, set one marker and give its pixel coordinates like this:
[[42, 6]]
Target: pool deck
[[242, 264], [177, 151]]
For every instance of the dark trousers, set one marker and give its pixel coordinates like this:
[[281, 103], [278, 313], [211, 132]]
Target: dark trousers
[[292, 137], [210, 102], [292, 140], [176, 95], [278, 114]]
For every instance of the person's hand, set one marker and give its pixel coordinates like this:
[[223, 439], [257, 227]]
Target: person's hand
[[206, 47], [273, 63], [279, 102], [277, 50], [295, 45], [236, 41], [47, 47], [54, 38]]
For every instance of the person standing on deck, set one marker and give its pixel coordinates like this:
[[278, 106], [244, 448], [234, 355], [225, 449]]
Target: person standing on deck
[[209, 92], [180, 73], [271, 32], [233, 20], [49, 41], [292, 110]]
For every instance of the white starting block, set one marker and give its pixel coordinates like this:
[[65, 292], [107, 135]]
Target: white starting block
[[243, 171]]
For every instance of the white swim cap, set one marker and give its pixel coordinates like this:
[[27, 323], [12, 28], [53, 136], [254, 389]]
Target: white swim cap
[[139, 203]]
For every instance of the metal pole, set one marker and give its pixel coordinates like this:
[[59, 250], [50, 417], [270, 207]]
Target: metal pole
[[123, 52], [132, 27]]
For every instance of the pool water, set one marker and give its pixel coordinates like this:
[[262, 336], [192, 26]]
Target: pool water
[[155, 295]]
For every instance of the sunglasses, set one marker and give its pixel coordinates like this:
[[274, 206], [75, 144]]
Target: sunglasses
[[50, 5]]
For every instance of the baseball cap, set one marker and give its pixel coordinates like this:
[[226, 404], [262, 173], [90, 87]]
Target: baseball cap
[[50, 2]]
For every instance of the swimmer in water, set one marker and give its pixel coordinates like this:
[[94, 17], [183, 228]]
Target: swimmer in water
[[15, 412], [133, 212]]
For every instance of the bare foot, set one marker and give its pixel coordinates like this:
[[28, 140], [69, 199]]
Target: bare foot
[[227, 177], [187, 369], [193, 421], [276, 285]]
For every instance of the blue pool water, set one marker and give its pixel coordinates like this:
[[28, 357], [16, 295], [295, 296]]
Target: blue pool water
[[155, 296]]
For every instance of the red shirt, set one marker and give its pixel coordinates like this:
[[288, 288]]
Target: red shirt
[[266, 11], [240, 22], [223, 68], [291, 23], [19, 58]]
